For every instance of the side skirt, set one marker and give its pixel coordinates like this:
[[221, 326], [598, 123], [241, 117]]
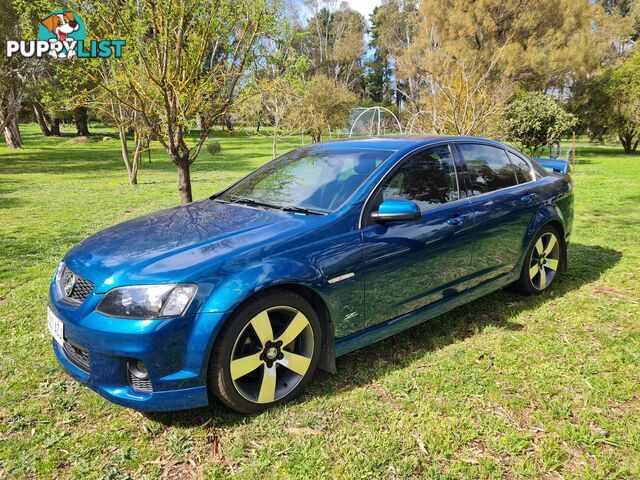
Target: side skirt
[[386, 329]]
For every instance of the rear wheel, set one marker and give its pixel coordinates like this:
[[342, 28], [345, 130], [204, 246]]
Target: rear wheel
[[266, 353], [541, 264]]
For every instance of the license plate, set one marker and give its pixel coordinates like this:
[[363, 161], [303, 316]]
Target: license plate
[[56, 327]]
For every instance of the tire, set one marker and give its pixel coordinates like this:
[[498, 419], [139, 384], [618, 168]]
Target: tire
[[266, 353], [541, 264]]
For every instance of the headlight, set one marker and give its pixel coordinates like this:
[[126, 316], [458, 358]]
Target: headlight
[[146, 302], [61, 275]]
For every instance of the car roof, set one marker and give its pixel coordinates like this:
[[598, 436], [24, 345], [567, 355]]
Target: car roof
[[396, 142]]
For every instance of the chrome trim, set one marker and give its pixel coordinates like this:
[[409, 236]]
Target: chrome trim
[[340, 278], [472, 197]]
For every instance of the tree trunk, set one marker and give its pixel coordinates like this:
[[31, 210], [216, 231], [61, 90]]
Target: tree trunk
[[184, 180], [41, 119], [132, 167], [55, 126], [625, 143], [12, 134], [228, 124], [81, 118], [137, 158]]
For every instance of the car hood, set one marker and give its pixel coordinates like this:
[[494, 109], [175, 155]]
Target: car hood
[[172, 245]]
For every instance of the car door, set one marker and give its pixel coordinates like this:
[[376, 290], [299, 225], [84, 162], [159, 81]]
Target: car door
[[503, 208], [410, 264]]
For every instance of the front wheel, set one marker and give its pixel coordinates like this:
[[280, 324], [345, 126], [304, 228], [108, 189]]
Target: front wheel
[[266, 352], [541, 263]]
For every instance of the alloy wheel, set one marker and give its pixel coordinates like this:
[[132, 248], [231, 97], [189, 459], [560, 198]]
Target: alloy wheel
[[544, 261], [272, 354]]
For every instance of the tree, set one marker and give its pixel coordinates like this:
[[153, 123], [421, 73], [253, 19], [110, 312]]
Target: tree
[[183, 58], [271, 101], [377, 77], [542, 47], [333, 40], [275, 81], [112, 101], [608, 104], [325, 104], [621, 85], [14, 73], [625, 8], [535, 120], [462, 97], [394, 28]]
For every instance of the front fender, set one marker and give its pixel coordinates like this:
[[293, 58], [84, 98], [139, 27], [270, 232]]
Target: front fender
[[234, 289]]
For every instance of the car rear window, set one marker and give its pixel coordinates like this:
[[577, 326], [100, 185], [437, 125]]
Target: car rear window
[[522, 168], [488, 167]]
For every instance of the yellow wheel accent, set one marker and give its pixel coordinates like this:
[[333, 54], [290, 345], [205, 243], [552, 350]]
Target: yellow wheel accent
[[244, 365], [544, 261], [297, 325], [272, 354], [296, 363]]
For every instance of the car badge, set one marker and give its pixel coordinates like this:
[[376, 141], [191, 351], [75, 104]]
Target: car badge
[[69, 283]]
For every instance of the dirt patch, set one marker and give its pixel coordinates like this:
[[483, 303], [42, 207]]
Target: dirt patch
[[383, 396]]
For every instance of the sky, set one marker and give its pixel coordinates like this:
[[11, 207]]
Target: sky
[[365, 7]]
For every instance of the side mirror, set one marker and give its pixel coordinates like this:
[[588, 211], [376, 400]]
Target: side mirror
[[394, 210]]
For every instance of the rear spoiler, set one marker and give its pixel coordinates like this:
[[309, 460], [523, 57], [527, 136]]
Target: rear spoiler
[[553, 164]]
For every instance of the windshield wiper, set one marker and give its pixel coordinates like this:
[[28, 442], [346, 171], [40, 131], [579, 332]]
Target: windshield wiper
[[252, 202], [305, 211], [285, 208]]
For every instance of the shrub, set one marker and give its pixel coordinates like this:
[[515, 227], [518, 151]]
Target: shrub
[[535, 120], [213, 147]]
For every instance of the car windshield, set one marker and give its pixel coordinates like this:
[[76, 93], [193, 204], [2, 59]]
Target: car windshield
[[315, 179]]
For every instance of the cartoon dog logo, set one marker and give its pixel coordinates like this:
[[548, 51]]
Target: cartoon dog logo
[[62, 25]]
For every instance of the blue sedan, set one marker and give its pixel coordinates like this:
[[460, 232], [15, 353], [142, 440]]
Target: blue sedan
[[322, 251]]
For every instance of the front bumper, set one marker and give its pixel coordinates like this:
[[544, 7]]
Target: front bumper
[[175, 352]]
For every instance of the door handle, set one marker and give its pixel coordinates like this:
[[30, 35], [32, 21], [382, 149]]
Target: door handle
[[456, 220], [528, 198]]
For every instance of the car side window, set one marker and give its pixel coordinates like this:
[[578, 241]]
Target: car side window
[[522, 168], [427, 178], [489, 168]]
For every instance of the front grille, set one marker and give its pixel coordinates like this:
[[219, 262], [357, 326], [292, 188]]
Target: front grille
[[80, 290], [77, 356], [139, 384]]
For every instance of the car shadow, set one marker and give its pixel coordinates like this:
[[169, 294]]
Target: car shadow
[[586, 264]]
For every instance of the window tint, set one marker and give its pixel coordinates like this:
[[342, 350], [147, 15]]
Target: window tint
[[427, 178], [523, 171], [317, 177], [489, 168], [540, 172]]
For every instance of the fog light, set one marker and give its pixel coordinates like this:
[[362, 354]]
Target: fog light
[[138, 370], [138, 376]]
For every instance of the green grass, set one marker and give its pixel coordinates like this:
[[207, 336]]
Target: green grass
[[506, 386]]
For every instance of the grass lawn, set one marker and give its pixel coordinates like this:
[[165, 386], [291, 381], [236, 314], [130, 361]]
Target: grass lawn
[[506, 386]]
